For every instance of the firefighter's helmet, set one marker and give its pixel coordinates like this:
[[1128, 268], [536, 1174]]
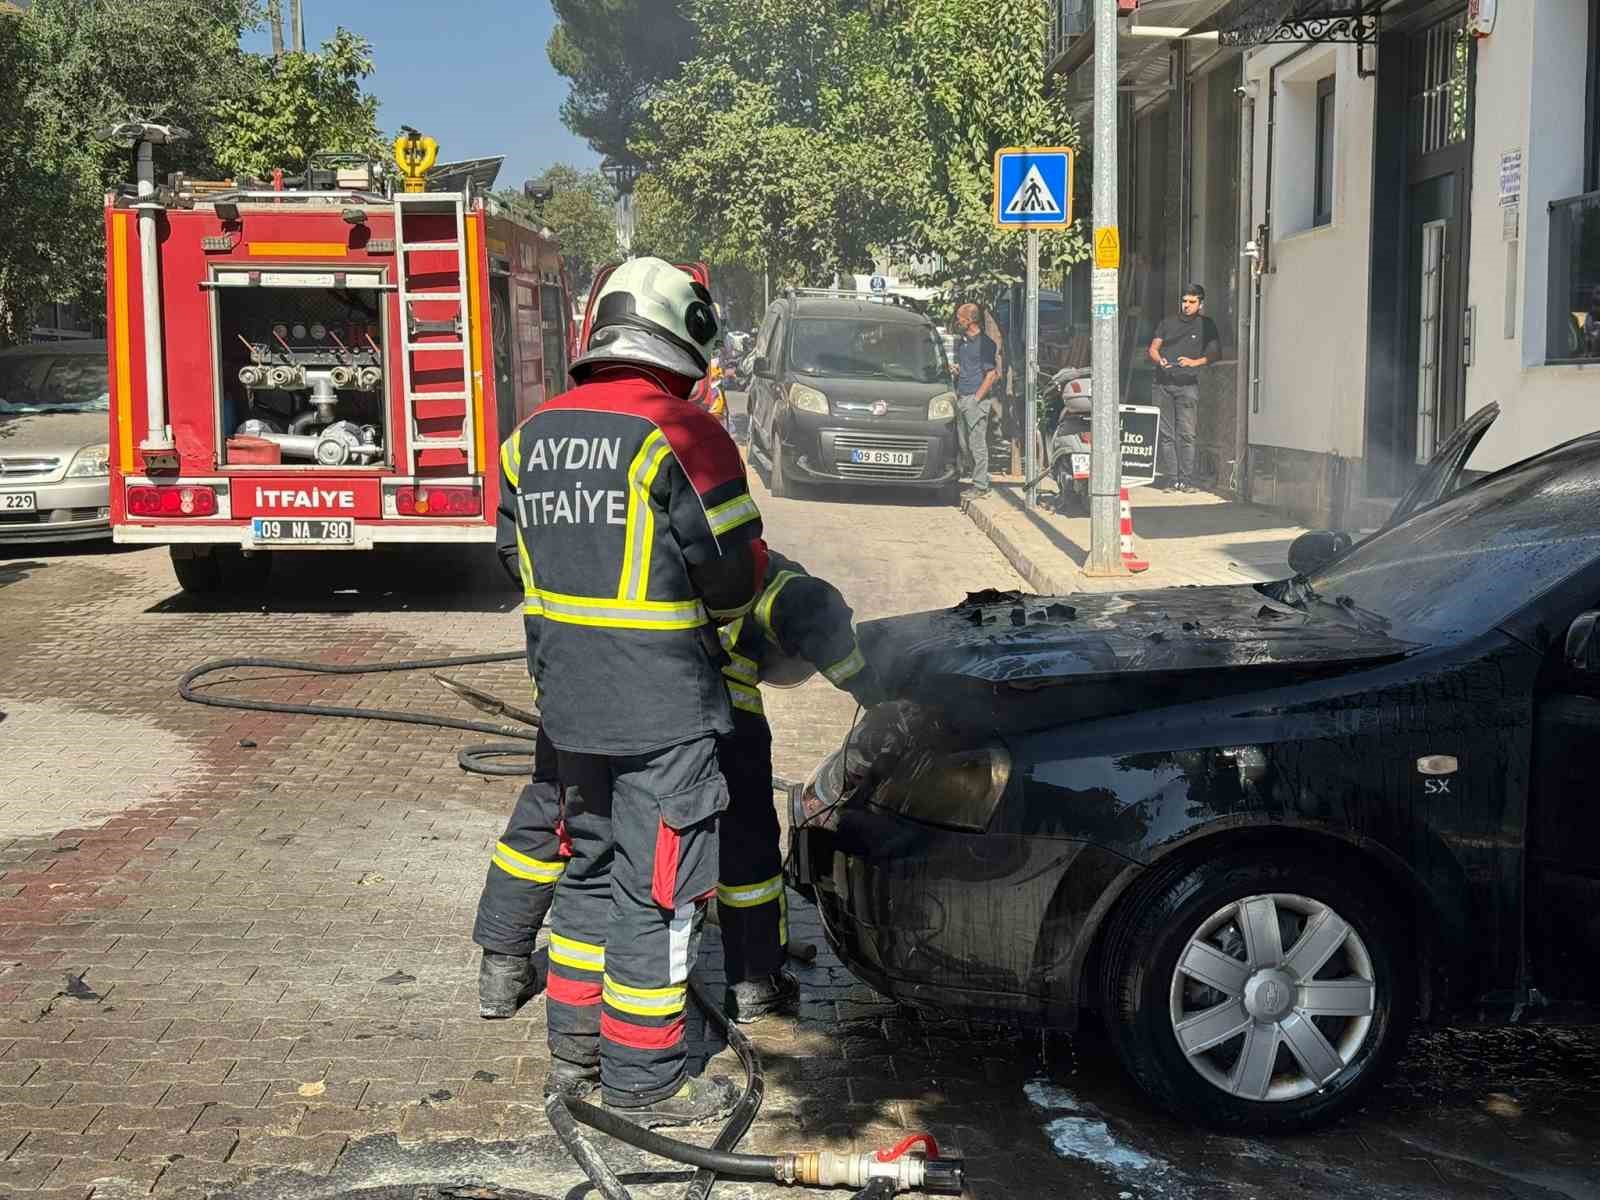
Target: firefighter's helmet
[[649, 313]]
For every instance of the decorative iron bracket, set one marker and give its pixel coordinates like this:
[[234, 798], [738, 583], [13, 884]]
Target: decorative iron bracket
[[1357, 29]]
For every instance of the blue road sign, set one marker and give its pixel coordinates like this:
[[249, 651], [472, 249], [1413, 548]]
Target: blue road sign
[[878, 283], [1033, 187]]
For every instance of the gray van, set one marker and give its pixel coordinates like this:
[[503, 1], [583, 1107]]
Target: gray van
[[848, 390]]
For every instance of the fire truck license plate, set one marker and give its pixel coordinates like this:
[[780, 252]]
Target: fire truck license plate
[[17, 502], [882, 458], [302, 531]]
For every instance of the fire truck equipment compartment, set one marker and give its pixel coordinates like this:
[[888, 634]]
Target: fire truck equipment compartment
[[300, 365]]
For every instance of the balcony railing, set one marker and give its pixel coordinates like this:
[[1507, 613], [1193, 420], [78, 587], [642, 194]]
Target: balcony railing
[[1574, 314]]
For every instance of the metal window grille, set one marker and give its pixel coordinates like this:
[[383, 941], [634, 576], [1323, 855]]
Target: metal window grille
[[1438, 85]]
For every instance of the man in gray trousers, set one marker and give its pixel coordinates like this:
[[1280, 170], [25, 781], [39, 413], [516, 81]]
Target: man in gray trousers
[[976, 374]]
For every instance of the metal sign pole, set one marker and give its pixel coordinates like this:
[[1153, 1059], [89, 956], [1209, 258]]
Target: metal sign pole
[[1030, 384], [1105, 460]]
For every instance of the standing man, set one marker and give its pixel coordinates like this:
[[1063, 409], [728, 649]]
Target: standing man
[[976, 373], [625, 508], [1182, 344]]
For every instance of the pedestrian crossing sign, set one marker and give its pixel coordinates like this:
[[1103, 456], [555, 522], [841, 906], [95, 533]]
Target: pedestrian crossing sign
[[1033, 187]]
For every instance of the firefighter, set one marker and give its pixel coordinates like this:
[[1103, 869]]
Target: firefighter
[[798, 624], [626, 510]]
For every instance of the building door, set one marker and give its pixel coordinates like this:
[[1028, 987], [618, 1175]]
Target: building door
[[1417, 382], [1440, 151]]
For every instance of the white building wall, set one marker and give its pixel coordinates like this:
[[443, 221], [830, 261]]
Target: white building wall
[[1531, 79], [1313, 316]]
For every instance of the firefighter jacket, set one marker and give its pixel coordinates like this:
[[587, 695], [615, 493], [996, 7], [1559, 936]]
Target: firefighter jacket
[[796, 616], [619, 502]]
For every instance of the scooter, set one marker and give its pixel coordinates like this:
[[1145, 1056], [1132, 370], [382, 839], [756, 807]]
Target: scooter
[[1070, 440]]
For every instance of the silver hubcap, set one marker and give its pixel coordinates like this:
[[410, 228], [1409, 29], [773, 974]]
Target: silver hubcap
[[1272, 997]]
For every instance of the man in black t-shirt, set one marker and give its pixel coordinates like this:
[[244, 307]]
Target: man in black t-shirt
[[1181, 344]]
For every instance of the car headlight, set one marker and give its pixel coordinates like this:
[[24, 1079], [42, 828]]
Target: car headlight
[[808, 399], [942, 407], [91, 461], [959, 790]]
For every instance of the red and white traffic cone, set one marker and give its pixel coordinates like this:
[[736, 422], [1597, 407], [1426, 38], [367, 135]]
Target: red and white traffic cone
[[1130, 560]]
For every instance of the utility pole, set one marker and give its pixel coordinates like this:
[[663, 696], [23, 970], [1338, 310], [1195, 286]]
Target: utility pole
[[1105, 459], [275, 16], [298, 21]]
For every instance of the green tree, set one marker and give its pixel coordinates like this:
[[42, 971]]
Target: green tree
[[580, 212], [808, 134], [615, 54], [69, 68], [302, 103]]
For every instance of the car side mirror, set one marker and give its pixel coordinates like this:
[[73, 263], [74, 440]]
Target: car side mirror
[[1583, 644], [1314, 550], [761, 366]]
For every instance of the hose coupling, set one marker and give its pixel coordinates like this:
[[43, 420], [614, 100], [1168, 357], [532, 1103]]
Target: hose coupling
[[907, 1172]]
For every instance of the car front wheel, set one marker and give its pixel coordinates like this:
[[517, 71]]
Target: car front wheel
[[1263, 992]]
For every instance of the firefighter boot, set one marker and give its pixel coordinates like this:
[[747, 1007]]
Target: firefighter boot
[[505, 983], [752, 999], [698, 1101]]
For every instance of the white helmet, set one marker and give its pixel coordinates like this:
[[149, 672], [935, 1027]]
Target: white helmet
[[650, 313]]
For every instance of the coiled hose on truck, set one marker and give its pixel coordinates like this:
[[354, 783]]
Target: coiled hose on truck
[[876, 1175]]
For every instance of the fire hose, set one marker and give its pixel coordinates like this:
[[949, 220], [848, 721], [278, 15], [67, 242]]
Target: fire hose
[[876, 1174]]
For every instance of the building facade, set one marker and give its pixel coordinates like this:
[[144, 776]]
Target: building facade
[[1394, 206]]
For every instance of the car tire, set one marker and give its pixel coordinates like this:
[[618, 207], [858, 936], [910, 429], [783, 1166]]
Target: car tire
[[1290, 1064]]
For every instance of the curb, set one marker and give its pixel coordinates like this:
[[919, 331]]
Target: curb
[[1046, 580]]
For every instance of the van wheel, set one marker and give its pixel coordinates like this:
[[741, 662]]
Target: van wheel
[[1262, 992]]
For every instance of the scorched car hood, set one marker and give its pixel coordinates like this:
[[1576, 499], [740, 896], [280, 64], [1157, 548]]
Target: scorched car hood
[[1009, 638]]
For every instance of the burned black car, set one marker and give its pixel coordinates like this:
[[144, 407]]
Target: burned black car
[[1260, 829]]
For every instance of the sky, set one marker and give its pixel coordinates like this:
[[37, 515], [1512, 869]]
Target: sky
[[471, 74]]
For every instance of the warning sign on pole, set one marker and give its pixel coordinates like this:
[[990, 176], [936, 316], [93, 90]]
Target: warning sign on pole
[[1033, 187], [1107, 248]]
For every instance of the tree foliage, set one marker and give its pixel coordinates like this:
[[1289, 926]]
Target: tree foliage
[[70, 68], [615, 53], [808, 134], [580, 212], [302, 103]]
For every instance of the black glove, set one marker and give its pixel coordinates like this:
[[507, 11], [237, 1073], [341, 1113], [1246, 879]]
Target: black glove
[[882, 738]]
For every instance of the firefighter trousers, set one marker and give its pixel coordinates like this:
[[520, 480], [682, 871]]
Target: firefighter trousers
[[526, 863], [751, 906], [625, 930]]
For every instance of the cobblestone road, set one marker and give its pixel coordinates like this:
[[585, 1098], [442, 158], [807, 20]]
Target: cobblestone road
[[234, 949]]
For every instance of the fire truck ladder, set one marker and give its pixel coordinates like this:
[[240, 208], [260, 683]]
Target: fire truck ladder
[[411, 326]]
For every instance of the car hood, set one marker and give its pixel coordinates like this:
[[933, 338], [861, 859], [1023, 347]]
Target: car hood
[[1009, 638], [62, 434], [859, 395]]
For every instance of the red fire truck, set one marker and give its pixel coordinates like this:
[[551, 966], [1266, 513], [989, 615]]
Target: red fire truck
[[327, 362]]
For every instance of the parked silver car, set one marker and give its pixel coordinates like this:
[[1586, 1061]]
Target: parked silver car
[[55, 405]]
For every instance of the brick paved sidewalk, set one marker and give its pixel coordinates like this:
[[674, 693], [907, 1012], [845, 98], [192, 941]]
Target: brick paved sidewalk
[[1197, 537]]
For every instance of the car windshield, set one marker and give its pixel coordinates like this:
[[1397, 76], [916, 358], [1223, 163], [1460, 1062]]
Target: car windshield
[[1471, 561], [51, 383], [866, 349]]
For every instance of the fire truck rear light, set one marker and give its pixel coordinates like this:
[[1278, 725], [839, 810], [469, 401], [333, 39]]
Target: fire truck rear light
[[172, 501], [438, 501]]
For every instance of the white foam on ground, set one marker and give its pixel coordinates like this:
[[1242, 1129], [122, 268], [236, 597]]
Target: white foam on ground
[[1084, 1137]]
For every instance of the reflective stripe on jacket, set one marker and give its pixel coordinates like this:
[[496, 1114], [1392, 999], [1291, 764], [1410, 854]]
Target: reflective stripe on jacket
[[610, 494]]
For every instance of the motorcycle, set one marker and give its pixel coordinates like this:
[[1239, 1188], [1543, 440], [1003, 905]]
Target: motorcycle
[[1070, 439]]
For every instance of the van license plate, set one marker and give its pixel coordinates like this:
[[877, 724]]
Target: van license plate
[[18, 502], [882, 458], [302, 531]]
